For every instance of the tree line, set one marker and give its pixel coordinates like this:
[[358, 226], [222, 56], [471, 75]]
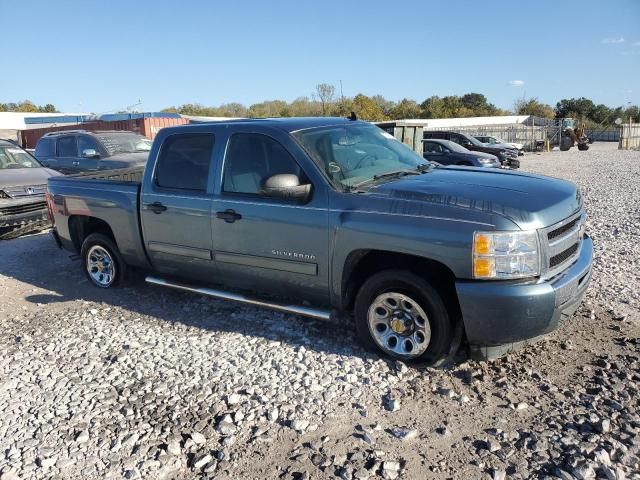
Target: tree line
[[27, 106], [324, 101]]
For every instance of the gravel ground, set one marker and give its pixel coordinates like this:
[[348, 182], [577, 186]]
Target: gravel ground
[[142, 382]]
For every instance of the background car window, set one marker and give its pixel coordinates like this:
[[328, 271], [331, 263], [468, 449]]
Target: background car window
[[66, 147], [87, 143], [432, 147], [253, 158], [184, 162], [44, 148]]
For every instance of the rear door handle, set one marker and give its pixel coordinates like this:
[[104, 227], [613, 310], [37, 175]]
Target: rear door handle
[[229, 215], [156, 207]]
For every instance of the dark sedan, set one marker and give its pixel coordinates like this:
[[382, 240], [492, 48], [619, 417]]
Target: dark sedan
[[446, 152]]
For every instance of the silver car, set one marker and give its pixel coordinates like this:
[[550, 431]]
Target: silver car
[[23, 183]]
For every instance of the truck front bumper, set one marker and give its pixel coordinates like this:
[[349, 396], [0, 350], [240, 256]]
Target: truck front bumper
[[500, 316]]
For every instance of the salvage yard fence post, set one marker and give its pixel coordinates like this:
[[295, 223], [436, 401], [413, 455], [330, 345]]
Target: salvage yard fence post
[[629, 136]]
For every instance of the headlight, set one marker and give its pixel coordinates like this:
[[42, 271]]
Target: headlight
[[503, 255]]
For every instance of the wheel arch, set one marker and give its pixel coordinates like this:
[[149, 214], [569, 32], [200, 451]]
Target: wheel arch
[[81, 226], [361, 264]]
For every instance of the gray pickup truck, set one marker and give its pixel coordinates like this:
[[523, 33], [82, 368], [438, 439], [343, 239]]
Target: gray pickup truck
[[335, 215]]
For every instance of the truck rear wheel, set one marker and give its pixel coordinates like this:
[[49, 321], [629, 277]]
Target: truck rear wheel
[[102, 262], [401, 315]]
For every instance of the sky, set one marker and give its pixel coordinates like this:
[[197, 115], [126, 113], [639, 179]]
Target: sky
[[104, 56]]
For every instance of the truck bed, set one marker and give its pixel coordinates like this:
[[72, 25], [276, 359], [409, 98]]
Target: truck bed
[[111, 196]]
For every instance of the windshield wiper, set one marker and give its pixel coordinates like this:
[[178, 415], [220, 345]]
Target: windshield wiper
[[423, 167], [380, 176]]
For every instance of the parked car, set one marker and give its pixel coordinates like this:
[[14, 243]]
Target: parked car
[[75, 151], [337, 215], [507, 156], [489, 140], [446, 152], [23, 182]]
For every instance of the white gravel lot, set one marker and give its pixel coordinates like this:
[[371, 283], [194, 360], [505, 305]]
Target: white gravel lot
[[142, 382]]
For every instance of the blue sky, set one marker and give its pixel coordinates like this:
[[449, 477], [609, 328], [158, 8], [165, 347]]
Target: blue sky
[[102, 56]]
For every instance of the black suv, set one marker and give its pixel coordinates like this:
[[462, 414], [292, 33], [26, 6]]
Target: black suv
[[75, 151], [508, 156]]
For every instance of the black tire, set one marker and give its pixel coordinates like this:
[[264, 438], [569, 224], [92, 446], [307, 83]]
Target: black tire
[[419, 290], [583, 146], [565, 144], [105, 243]]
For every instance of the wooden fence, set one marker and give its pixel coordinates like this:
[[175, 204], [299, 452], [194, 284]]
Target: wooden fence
[[630, 136]]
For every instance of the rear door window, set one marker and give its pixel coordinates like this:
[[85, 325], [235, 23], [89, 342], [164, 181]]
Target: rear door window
[[66, 147], [184, 161]]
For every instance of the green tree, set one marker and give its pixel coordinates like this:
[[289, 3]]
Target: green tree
[[531, 106], [405, 108], [477, 105], [27, 106], [432, 107], [575, 108], [48, 108], [366, 108]]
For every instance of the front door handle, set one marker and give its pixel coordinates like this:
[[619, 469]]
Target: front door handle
[[229, 215], [156, 207]]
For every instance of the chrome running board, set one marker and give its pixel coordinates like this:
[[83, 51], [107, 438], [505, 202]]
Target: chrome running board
[[210, 292]]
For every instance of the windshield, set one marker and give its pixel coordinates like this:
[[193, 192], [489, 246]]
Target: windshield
[[453, 146], [355, 154], [124, 143], [475, 141], [13, 157]]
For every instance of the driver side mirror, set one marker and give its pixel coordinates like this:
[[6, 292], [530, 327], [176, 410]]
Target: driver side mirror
[[286, 186], [90, 153]]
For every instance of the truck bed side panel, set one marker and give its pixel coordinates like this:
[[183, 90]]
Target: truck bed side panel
[[113, 201]]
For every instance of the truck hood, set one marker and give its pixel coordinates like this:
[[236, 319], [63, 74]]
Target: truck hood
[[16, 177], [530, 201]]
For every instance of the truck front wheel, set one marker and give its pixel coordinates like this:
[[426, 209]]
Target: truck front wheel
[[401, 315], [102, 261]]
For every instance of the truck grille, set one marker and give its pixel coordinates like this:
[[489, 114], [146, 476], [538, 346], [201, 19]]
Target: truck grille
[[563, 256], [21, 209], [25, 190], [561, 244]]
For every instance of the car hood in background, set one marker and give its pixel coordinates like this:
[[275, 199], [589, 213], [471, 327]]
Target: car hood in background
[[479, 154], [530, 201], [16, 177], [133, 158]]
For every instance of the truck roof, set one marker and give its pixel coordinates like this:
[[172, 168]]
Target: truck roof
[[289, 124]]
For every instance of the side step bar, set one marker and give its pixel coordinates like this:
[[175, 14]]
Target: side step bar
[[210, 292]]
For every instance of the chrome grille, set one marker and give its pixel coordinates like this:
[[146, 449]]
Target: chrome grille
[[20, 209], [561, 244], [25, 190]]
